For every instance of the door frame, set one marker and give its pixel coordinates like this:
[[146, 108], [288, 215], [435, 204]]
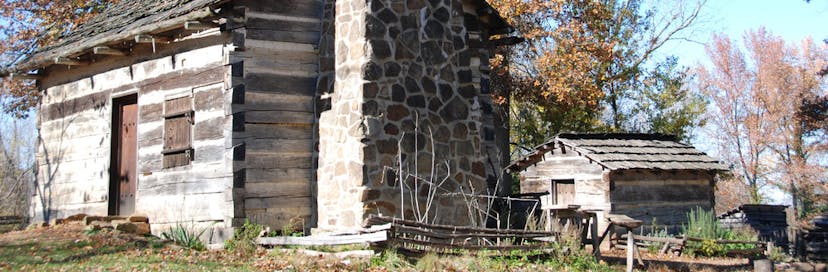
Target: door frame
[[115, 151]]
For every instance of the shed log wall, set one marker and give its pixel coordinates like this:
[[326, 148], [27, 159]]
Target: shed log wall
[[661, 197], [591, 180], [275, 78], [75, 144]]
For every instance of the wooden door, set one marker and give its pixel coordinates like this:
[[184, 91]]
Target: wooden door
[[125, 144], [564, 191]]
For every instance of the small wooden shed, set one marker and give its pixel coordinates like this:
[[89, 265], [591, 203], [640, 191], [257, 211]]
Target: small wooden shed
[[649, 177], [769, 221]]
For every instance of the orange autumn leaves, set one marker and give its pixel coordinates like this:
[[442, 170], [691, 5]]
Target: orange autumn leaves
[[28, 25]]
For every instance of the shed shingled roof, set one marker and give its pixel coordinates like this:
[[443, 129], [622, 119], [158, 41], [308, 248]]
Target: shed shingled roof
[[618, 151], [132, 17]]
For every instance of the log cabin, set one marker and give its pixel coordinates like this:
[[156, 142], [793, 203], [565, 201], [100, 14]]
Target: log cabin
[[648, 177], [287, 113]]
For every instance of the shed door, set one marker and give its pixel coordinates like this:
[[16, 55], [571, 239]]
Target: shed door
[[564, 191], [125, 143]]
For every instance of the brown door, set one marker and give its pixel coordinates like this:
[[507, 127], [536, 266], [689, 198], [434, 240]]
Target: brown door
[[125, 144]]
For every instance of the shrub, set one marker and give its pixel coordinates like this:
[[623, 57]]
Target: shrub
[[185, 236], [702, 224], [244, 238]]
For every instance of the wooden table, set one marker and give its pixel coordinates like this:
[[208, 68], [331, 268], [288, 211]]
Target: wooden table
[[629, 224]]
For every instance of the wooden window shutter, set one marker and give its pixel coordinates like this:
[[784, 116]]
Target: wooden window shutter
[[178, 126]]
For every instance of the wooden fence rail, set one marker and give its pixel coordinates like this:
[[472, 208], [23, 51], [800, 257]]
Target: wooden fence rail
[[11, 220], [421, 237]]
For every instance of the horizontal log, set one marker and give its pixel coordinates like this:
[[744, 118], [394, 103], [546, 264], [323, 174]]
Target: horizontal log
[[272, 83], [278, 189], [284, 34], [274, 202], [310, 8], [455, 246], [275, 131], [278, 175], [278, 146], [431, 233], [278, 117], [379, 236], [373, 220], [279, 161]]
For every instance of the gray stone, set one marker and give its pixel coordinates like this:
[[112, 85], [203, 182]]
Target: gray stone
[[376, 5], [434, 104], [434, 3], [374, 28], [387, 146], [442, 134], [415, 4], [434, 29], [381, 49], [387, 16], [392, 69], [408, 125], [447, 74], [370, 90], [432, 53], [460, 131], [415, 70], [411, 85], [454, 110], [468, 91], [372, 71], [391, 129], [411, 40], [428, 85], [464, 76], [442, 14], [396, 112], [397, 93], [446, 91], [370, 108], [416, 101]]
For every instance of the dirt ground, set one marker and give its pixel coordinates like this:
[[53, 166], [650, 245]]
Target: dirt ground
[[670, 262]]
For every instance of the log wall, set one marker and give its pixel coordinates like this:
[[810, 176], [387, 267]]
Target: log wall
[[591, 180], [660, 198], [75, 119], [275, 81]]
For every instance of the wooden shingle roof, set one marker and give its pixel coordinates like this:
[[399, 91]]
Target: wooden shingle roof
[[618, 151], [121, 21], [127, 18]]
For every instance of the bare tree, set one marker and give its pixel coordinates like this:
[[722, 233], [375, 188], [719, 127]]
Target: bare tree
[[757, 103]]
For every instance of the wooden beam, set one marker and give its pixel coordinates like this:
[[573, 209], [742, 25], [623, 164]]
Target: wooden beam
[[70, 61], [324, 240], [26, 76], [145, 38], [105, 50], [198, 25]]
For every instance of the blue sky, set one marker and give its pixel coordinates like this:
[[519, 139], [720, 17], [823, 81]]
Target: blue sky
[[794, 20]]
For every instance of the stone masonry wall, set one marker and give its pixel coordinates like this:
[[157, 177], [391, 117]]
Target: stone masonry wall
[[411, 86]]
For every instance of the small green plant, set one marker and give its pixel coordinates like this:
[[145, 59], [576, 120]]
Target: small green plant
[[244, 238], [391, 260], [185, 236], [702, 224], [91, 231]]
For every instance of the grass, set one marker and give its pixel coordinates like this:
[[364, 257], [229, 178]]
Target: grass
[[70, 248]]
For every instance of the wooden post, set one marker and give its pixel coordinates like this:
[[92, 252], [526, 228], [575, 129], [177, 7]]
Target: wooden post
[[630, 250], [593, 231]]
